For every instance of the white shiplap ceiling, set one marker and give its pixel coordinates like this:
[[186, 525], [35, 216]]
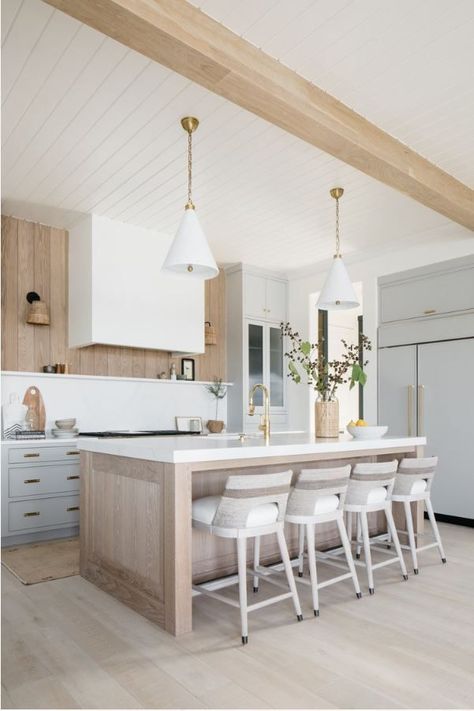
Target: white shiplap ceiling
[[406, 66], [90, 126]]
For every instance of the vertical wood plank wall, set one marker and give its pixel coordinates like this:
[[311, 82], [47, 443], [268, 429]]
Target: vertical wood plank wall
[[35, 258]]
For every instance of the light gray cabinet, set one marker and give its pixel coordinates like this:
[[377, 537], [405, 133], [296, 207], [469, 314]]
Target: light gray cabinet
[[397, 390], [446, 411], [265, 297], [256, 304], [440, 289], [428, 390], [40, 491], [425, 363]]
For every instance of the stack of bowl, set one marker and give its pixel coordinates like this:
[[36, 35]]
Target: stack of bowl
[[65, 429]]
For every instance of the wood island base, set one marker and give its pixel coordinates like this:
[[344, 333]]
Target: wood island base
[[137, 542]]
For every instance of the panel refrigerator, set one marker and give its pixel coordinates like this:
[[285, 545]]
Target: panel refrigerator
[[428, 389]]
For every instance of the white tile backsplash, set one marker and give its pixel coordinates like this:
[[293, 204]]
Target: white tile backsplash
[[115, 403]]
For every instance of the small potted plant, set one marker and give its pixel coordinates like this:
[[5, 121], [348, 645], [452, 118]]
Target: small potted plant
[[306, 361], [219, 391]]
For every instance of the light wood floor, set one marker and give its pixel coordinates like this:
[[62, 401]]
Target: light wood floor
[[68, 645]]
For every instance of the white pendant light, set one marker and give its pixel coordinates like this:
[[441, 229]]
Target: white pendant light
[[337, 292], [189, 252]]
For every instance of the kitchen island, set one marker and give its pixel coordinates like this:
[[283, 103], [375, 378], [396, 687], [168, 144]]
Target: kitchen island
[[137, 542]]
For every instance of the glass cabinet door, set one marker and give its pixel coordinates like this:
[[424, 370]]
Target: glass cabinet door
[[276, 367], [255, 356]]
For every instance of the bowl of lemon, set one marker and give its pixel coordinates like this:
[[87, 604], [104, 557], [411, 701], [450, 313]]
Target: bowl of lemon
[[361, 430]]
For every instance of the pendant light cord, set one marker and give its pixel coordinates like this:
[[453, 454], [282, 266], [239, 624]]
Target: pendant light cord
[[338, 241], [190, 204]]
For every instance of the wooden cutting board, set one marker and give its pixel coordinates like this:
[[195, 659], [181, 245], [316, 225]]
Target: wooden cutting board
[[34, 400]]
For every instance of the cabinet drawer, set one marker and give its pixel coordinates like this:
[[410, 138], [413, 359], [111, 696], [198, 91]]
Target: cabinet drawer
[[32, 481], [444, 292], [25, 455], [43, 513]]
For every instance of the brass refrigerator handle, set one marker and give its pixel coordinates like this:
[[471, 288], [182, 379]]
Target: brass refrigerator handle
[[421, 410], [410, 410]]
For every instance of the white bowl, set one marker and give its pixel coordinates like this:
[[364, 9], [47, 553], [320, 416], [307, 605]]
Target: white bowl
[[368, 432], [66, 424]]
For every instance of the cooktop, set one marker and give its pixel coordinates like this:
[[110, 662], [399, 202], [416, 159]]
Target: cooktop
[[135, 433]]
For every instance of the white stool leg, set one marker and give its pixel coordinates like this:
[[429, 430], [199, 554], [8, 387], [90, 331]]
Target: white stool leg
[[256, 561], [434, 526], [368, 557], [347, 550], [395, 539], [300, 550], [358, 536], [312, 567], [349, 525], [242, 567], [289, 572], [411, 535]]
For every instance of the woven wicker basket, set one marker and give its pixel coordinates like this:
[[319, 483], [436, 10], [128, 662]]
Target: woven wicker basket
[[327, 418]]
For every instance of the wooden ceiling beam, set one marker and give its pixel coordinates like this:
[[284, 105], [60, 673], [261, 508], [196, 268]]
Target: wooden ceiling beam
[[181, 37]]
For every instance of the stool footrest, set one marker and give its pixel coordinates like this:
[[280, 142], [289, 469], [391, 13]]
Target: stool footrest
[[215, 595], [269, 601]]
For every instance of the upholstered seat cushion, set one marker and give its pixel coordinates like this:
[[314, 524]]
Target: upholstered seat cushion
[[419, 487], [377, 495], [204, 510], [326, 504]]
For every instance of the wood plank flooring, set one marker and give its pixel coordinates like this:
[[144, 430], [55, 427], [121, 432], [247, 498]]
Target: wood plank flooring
[[67, 644]]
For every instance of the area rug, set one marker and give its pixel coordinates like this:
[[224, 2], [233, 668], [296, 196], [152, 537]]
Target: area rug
[[39, 562]]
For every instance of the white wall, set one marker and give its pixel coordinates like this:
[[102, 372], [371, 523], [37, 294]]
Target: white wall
[[448, 243], [116, 403]]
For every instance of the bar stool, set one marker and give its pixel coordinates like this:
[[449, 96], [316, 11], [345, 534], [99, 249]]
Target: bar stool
[[251, 506], [413, 483], [318, 497], [370, 489]]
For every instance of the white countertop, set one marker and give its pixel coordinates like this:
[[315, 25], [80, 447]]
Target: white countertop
[[39, 442], [183, 449]]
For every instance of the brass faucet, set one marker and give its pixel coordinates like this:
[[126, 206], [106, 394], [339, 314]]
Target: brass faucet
[[264, 425]]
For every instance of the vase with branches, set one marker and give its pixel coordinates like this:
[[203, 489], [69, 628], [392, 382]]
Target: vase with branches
[[308, 363], [218, 390]]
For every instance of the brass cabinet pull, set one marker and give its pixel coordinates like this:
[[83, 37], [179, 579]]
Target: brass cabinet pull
[[72, 508], [410, 410], [32, 481], [31, 454], [421, 410], [427, 312], [73, 476], [31, 513], [74, 452]]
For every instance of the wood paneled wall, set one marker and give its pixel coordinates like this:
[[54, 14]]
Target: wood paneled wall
[[35, 258]]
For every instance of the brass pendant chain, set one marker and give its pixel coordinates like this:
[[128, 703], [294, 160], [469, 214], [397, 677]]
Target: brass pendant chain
[[338, 242], [190, 204]]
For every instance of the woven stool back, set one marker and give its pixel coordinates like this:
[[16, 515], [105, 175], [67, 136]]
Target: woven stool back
[[243, 493], [412, 470], [368, 476], [314, 483]]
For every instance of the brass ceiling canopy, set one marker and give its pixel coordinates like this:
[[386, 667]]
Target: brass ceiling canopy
[[189, 123], [336, 193]]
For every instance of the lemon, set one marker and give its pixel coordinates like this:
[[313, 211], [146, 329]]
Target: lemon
[[351, 423], [361, 423]]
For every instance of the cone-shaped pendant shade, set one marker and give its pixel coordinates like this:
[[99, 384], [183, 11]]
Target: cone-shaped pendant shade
[[337, 292], [189, 252]]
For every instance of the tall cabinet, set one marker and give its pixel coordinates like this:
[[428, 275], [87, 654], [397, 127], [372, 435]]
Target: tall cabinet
[[426, 359], [256, 305]]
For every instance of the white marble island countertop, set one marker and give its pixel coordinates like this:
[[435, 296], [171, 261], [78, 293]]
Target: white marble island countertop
[[212, 448]]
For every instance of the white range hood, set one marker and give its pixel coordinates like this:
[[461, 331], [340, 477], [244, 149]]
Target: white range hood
[[119, 295]]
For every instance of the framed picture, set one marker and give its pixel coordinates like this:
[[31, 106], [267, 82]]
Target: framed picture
[[188, 368], [189, 424]]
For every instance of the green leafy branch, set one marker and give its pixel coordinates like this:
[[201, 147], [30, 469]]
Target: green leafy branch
[[307, 360]]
